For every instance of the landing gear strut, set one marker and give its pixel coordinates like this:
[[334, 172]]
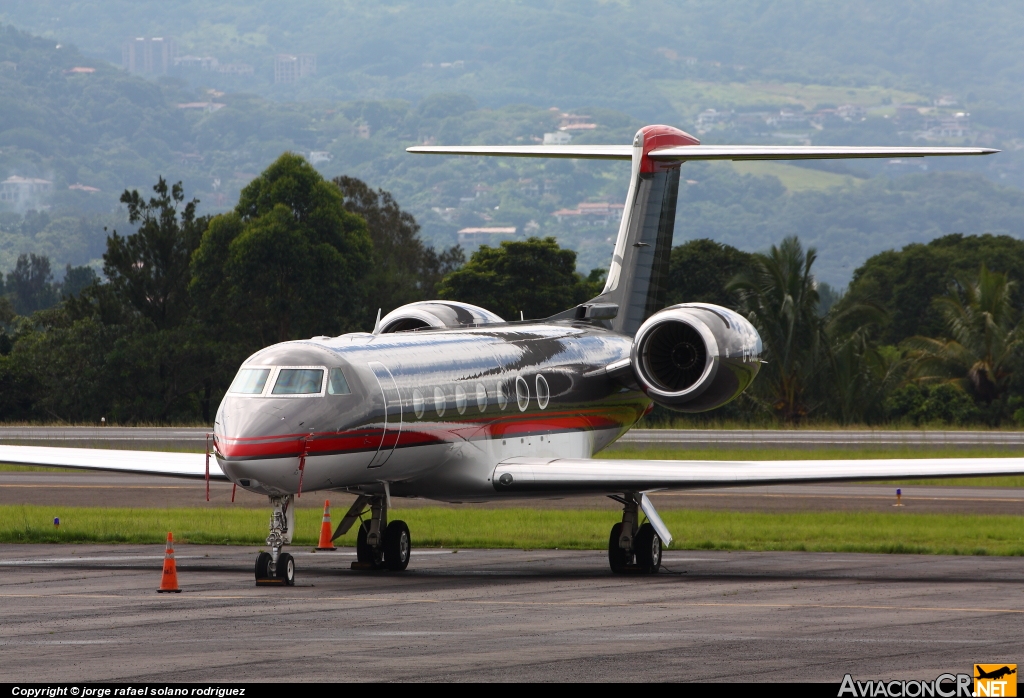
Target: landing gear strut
[[276, 568], [632, 547], [379, 544]]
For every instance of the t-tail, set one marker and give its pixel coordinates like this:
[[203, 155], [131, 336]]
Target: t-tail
[[636, 284]]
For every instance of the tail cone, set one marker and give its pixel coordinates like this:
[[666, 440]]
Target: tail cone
[[169, 579], [325, 530]]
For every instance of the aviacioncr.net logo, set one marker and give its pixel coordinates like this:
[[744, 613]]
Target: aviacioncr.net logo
[[943, 686]]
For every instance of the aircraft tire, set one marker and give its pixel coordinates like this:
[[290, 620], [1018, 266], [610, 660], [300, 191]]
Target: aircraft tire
[[648, 549], [286, 569], [263, 566], [397, 546], [364, 553], [617, 557]]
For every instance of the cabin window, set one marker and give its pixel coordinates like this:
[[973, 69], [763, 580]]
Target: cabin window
[[417, 404], [481, 397], [250, 381], [299, 381], [543, 392], [336, 383], [522, 394], [502, 395], [439, 402], [460, 399]]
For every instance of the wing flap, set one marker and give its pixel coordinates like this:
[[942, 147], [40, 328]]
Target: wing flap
[[571, 475], [185, 465]]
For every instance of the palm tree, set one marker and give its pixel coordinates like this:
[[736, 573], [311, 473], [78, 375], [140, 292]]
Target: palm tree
[[985, 334], [779, 295]]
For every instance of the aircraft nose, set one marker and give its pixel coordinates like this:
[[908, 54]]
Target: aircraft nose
[[260, 428]]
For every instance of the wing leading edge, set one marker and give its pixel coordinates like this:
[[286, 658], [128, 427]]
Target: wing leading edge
[[700, 152], [568, 475], [186, 465]]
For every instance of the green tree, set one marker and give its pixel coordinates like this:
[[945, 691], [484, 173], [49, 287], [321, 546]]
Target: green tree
[[905, 281], [699, 271], [30, 284], [779, 296], [149, 269], [984, 336], [534, 277], [403, 270], [287, 263]]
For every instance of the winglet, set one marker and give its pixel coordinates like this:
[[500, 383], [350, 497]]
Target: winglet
[[376, 325]]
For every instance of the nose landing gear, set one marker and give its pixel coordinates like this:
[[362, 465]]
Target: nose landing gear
[[276, 568]]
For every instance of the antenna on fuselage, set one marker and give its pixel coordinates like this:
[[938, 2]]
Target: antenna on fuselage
[[376, 325]]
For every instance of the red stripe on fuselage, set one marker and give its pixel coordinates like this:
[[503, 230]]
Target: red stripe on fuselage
[[414, 434]]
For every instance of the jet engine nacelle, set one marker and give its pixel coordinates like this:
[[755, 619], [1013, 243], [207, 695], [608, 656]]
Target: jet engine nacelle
[[695, 356], [436, 315]]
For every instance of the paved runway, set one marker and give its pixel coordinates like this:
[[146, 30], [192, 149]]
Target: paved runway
[[64, 488], [194, 438], [75, 613]]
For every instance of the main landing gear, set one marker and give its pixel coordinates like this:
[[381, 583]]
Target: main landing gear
[[632, 547], [276, 568], [379, 544]]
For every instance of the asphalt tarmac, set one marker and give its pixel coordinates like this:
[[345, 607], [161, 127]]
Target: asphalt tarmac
[[78, 613]]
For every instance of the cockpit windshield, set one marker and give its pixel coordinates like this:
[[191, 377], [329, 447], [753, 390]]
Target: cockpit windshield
[[250, 381], [299, 381], [336, 383]]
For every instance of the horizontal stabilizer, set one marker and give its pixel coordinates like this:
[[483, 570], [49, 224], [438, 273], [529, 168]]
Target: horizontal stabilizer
[[803, 152], [187, 465], [700, 152], [603, 475], [582, 152]]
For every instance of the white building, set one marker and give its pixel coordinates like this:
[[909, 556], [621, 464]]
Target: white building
[[557, 138], [23, 191]]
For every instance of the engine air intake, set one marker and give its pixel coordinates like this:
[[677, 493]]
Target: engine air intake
[[675, 356]]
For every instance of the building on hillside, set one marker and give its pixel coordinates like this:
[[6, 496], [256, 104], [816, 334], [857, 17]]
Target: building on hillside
[[318, 156], [288, 68], [557, 138], [23, 191], [148, 56], [486, 236], [208, 107], [82, 187], [590, 214], [196, 62], [235, 69]]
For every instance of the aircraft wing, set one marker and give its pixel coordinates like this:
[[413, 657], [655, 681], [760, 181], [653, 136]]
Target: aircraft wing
[[700, 152], [603, 475], [186, 465]]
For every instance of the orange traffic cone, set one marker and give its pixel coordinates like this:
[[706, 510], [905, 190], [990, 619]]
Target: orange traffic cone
[[325, 529], [169, 579]]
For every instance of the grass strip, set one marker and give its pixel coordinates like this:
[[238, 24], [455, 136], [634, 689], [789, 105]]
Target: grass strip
[[869, 532]]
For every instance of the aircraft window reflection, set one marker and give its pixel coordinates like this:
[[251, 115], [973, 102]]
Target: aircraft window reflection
[[502, 395], [460, 399], [336, 383], [481, 397], [298, 381], [522, 394], [543, 392], [417, 403], [439, 402], [250, 381]]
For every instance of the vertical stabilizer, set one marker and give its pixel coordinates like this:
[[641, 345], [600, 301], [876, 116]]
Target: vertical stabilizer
[[639, 268]]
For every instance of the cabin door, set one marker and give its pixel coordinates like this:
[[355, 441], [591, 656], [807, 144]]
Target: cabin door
[[392, 413]]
